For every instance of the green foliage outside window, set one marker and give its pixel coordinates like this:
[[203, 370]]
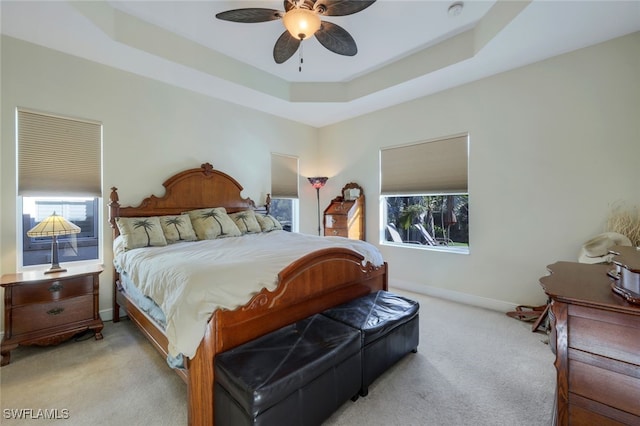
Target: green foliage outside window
[[444, 217]]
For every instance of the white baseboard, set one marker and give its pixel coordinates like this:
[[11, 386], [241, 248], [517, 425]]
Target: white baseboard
[[106, 314], [455, 296]]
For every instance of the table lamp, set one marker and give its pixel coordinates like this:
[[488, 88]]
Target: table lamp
[[53, 226]]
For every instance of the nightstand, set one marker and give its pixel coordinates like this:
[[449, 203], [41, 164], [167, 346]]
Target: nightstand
[[47, 309]]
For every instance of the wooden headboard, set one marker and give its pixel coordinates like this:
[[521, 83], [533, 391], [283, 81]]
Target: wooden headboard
[[188, 190]]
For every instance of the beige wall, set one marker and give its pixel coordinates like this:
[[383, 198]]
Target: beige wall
[[151, 131], [552, 145]]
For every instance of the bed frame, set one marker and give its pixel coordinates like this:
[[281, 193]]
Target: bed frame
[[311, 284]]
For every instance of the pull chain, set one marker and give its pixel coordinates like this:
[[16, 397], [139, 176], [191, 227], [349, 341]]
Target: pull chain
[[300, 55]]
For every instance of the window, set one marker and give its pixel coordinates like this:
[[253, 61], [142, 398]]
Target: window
[[284, 190], [82, 212], [59, 170], [424, 197], [285, 210]]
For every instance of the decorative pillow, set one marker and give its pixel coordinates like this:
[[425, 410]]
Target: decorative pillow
[[141, 232], [213, 223], [177, 228], [268, 223], [246, 221]]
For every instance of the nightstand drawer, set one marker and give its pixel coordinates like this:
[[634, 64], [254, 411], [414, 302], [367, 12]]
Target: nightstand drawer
[[37, 316], [52, 290], [332, 221]]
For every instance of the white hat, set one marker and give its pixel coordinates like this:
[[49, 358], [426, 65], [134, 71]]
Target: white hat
[[596, 250]]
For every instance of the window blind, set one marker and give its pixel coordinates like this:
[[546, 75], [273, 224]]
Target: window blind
[[284, 176], [438, 166], [58, 156]]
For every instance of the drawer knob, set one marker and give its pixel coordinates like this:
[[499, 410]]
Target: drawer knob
[[55, 311], [55, 287], [335, 232]]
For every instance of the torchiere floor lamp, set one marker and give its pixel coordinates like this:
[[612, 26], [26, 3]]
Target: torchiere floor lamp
[[318, 182]]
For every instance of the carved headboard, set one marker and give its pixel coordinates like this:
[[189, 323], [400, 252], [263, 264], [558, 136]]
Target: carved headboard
[[188, 190]]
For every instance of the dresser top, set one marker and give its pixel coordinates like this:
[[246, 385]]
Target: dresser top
[[584, 284]]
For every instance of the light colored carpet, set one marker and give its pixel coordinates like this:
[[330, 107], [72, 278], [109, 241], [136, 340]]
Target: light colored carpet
[[473, 367]]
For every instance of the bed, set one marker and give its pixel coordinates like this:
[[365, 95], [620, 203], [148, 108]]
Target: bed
[[310, 284]]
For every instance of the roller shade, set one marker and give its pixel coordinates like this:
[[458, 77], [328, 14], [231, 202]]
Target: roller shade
[[438, 166], [58, 156], [284, 176]]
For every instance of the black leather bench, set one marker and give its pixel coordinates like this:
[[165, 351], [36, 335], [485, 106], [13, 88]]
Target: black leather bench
[[388, 324], [297, 375]]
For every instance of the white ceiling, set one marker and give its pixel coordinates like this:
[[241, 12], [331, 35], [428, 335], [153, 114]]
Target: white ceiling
[[406, 49]]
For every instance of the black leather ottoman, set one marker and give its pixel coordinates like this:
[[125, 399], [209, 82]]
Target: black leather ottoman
[[389, 330], [297, 375]]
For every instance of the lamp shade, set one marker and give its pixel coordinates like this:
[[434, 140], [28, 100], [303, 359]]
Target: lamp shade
[[54, 225], [301, 23], [318, 182]]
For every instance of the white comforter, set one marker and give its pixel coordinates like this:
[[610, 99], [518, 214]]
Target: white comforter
[[190, 280]]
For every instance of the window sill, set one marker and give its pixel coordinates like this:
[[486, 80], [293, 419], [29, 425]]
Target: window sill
[[444, 249], [43, 267]]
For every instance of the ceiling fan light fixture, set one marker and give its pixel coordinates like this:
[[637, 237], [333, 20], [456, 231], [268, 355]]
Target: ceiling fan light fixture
[[301, 23]]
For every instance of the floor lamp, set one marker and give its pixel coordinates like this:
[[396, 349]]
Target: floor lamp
[[318, 182]]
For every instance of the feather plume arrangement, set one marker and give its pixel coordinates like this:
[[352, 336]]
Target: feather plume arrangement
[[625, 220]]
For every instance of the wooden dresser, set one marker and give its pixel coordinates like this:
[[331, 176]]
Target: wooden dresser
[[345, 217], [46, 309], [597, 339]]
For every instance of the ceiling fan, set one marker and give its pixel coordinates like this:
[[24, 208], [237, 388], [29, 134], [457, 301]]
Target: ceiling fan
[[301, 19]]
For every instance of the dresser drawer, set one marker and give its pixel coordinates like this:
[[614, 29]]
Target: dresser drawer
[[51, 290], [336, 232], [602, 333], [612, 388], [580, 416], [45, 315], [333, 221]]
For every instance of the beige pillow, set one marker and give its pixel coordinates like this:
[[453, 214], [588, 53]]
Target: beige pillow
[[246, 221], [177, 228], [213, 223], [141, 232], [268, 223]]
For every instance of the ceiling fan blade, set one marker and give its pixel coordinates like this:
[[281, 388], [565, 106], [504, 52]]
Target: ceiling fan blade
[[336, 39], [341, 7], [250, 15], [285, 47]]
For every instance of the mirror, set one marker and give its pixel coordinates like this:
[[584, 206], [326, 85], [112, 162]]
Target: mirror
[[351, 191]]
